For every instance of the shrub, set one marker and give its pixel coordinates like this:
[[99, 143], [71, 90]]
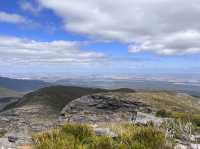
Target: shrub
[[193, 118], [2, 133], [163, 113], [54, 140], [102, 143], [78, 136], [196, 120], [79, 131], [179, 129], [144, 137]]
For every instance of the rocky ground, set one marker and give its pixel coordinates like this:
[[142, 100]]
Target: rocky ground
[[18, 124], [99, 108], [22, 122]]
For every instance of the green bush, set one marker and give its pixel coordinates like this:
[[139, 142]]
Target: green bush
[[54, 140], [189, 117], [102, 143], [193, 118], [79, 131], [78, 136], [144, 137], [2, 133], [163, 113], [196, 120]]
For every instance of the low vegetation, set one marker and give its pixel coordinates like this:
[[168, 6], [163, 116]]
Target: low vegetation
[[194, 119], [163, 113], [181, 131], [169, 101], [79, 136], [2, 133]]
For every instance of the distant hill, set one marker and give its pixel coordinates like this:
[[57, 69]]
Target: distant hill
[[138, 84], [55, 97], [22, 85], [4, 92]]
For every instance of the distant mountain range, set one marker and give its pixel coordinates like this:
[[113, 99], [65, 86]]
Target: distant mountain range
[[137, 84], [22, 85]]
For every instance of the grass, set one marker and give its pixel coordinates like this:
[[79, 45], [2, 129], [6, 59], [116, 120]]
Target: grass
[[183, 116], [163, 113], [80, 136], [169, 104], [168, 100], [2, 133], [194, 119]]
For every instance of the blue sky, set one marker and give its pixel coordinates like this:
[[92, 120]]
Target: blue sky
[[99, 37]]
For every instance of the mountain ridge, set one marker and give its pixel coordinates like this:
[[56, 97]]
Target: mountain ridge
[[22, 85]]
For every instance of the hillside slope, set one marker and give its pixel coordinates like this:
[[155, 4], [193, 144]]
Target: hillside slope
[[170, 101], [56, 96], [121, 106], [40, 109], [43, 106], [22, 85]]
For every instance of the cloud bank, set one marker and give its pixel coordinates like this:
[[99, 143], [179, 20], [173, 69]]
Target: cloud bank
[[12, 18], [161, 26], [19, 50]]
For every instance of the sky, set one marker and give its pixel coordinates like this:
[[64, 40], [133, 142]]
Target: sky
[[99, 37]]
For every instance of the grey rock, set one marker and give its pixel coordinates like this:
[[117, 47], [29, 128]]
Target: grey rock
[[105, 132], [99, 108], [144, 118]]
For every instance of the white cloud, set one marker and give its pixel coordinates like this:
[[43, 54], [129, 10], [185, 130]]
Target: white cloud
[[186, 42], [160, 26], [18, 50], [28, 6], [12, 18]]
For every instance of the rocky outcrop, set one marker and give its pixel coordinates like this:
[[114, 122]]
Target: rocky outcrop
[[20, 123], [101, 108]]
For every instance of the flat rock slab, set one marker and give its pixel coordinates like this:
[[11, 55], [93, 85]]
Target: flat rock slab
[[144, 118], [98, 108], [105, 132]]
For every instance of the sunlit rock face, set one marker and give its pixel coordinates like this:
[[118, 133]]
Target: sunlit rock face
[[100, 108]]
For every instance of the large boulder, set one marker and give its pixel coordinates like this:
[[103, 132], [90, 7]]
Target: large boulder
[[99, 108]]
